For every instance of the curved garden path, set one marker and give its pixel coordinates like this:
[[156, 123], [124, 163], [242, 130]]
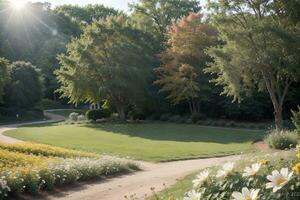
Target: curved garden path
[[138, 184], [50, 118]]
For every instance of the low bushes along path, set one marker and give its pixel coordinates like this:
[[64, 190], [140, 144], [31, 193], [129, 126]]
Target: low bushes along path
[[156, 176]]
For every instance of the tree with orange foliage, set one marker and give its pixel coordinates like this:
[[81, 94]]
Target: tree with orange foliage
[[181, 74]]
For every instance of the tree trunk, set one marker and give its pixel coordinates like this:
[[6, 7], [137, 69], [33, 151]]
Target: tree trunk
[[190, 106], [277, 96], [278, 117], [122, 114]]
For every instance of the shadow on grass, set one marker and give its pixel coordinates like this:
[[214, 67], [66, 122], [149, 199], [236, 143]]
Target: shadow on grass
[[180, 132]]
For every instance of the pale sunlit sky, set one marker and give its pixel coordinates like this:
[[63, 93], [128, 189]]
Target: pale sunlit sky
[[118, 4]]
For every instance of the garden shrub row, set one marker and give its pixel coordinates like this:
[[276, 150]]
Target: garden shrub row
[[93, 116]]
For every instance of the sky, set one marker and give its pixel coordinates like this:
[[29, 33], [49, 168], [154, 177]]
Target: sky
[[118, 4]]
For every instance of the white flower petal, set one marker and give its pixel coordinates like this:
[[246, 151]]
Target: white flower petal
[[237, 196], [245, 192]]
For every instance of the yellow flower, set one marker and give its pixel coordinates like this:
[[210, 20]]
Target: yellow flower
[[171, 198], [264, 162], [298, 155], [296, 168]]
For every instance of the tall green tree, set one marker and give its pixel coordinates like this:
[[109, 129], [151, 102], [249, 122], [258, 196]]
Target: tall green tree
[[110, 61], [156, 15], [25, 87], [4, 75], [36, 34], [261, 50], [87, 13], [181, 74]]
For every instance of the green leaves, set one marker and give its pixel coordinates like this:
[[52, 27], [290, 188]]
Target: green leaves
[[4, 75], [110, 61]]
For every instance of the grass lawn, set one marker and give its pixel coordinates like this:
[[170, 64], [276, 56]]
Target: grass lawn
[[152, 142], [177, 191]]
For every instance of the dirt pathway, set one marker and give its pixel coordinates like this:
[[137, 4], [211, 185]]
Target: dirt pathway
[[5, 139], [158, 176]]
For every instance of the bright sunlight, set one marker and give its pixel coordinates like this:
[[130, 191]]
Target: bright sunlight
[[18, 4]]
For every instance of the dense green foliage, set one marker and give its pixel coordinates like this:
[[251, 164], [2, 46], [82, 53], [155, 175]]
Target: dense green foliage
[[3, 75], [150, 141], [261, 50], [88, 13], [114, 57], [157, 15], [97, 114], [25, 87]]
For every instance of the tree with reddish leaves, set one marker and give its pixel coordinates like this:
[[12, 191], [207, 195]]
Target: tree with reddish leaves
[[181, 74]]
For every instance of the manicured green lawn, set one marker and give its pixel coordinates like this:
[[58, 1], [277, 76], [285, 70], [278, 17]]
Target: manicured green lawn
[[152, 142]]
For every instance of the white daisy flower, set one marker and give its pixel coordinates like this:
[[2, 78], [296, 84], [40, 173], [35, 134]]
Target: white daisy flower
[[253, 170], [226, 169], [246, 194], [192, 195], [200, 179], [279, 179]]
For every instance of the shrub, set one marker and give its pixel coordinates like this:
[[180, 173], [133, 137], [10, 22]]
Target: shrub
[[165, 117], [296, 119], [281, 139], [197, 116], [176, 119], [231, 124], [134, 114], [73, 116], [81, 118], [189, 121], [97, 114], [220, 123]]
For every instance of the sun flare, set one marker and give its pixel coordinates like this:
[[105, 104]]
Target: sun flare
[[18, 4]]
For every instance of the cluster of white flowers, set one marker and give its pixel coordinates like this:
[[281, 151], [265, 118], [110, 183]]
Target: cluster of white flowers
[[4, 188], [226, 170], [277, 180]]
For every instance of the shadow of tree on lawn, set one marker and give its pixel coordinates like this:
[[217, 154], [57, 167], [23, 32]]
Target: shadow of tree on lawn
[[180, 132]]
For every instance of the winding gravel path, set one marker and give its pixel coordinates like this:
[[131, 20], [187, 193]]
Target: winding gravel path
[[138, 184], [159, 176], [5, 139]]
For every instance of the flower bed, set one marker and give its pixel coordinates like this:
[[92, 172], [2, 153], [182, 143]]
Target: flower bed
[[44, 150], [249, 175], [268, 178], [42, 167]]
